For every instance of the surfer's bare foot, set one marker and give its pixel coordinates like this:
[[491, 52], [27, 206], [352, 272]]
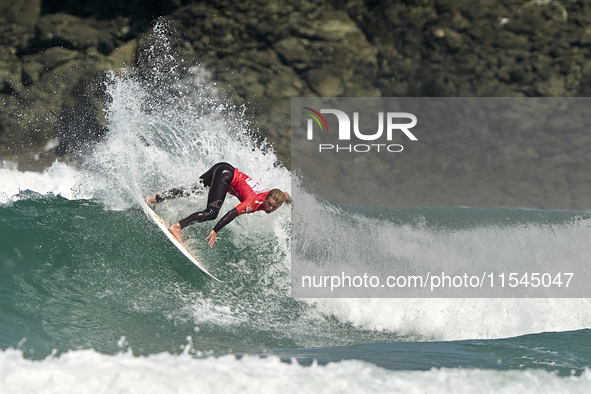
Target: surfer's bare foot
[[175, 230]]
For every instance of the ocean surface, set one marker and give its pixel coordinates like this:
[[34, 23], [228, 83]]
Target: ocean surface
[[94, 299]]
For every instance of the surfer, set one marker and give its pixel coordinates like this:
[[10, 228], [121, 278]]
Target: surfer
[[221, 179]]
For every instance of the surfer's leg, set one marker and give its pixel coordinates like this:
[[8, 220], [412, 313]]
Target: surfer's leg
[[219, 178], [208, 176], [205, 180], [175, 229]]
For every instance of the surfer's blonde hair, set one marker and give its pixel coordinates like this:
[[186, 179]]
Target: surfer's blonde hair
[[280, 197]]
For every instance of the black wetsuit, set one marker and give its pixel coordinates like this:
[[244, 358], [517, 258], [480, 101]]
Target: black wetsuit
[[218, 178]]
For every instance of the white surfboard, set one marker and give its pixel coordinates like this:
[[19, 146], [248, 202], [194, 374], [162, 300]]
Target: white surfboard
[[175, 241]]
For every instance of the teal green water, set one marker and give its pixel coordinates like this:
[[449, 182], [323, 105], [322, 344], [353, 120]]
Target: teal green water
[[76, 275], [565, 353]]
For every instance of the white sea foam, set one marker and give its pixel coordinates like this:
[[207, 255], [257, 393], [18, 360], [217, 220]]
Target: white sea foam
[[475, 250], [456, 319], [87, 371]]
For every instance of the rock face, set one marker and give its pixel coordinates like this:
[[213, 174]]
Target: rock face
[[49, 73], [263, 52]]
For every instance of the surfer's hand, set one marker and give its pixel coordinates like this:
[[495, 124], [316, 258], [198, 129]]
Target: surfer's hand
[[211, 238]]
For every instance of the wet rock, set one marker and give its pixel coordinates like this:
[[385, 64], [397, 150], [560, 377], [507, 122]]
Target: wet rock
[[23, 13], [36, 66], [262, 52], [293, 52], [71, 32]]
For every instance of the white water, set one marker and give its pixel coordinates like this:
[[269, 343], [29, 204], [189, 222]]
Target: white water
[[86, 371], [456, 319], [350, 244]]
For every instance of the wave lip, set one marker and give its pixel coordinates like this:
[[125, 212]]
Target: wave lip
[[58, 179]]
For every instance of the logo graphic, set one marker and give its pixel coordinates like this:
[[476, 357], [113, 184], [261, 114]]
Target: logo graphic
[[255, 186], [216, 204], [315, 115], [390, 122]]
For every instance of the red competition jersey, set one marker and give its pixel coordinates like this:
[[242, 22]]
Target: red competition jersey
[[250, 193]]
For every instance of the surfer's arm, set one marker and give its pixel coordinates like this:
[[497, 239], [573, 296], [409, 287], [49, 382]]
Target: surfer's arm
[[228, 217]]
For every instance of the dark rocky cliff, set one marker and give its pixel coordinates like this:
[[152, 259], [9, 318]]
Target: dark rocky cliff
[[53, 55]]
